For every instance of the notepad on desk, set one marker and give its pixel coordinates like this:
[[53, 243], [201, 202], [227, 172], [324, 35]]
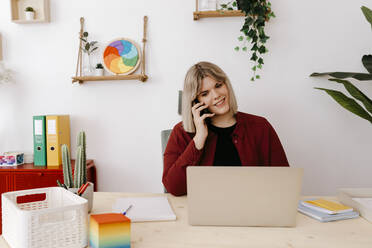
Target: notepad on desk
[[325, 206], [324, 217], [145, 208]]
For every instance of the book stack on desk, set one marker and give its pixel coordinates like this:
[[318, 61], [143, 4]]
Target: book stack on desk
[[324, 210]]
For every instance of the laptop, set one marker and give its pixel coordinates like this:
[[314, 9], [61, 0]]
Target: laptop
[[243, 196]]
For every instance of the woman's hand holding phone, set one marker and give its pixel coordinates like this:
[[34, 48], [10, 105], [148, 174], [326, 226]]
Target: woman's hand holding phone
[[200, 125]]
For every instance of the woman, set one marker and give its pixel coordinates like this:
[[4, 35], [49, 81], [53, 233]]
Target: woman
[[212, 132]]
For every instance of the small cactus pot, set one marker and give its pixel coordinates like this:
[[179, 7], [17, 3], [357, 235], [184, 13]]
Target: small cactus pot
[[30, 15], [99, 72]]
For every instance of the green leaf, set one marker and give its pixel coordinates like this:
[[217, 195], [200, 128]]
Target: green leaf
[[367, 62], [254, 48], [236, 48], [234, 4], [254, 68], [254, 57], [258, 76], [87, 46], [240, 38], [348, 103], [268, 4], [260, 61], [83, 39], [262, 49], [367, 13], [259, 66], [229, 8], [252, 79], [342, 75], [244, 49], [355, 92], [85, 34], [273, 14], [224, 5]]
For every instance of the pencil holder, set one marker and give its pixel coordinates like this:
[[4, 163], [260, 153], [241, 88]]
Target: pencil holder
[[88, 194]]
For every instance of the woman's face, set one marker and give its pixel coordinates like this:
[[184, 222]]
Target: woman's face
[[214, 94]]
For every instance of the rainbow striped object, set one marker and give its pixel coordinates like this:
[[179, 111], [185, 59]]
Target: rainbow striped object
[[109, 231]]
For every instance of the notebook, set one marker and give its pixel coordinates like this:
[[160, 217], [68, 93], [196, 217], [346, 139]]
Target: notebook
[[324, 217], [243, 195], [328, 207], [145, 208]]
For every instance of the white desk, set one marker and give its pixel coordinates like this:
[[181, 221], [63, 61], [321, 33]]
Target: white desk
[[308, 233]]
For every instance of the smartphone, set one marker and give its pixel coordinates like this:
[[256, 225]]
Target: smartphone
[[204, 111]]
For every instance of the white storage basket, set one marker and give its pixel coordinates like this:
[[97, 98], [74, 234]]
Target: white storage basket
[[59, 219]]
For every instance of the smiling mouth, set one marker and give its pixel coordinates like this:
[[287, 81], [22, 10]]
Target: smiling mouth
[[220, 102]]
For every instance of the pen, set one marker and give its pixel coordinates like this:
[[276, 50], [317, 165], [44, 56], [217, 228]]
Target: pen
[[126, 211], [82, 189]]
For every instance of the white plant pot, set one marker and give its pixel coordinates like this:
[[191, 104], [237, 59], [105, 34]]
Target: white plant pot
[[88, 194], [208, 4], [99, 72], [30, 15]]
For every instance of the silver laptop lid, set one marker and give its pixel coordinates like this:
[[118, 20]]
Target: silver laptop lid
[[243, 196]]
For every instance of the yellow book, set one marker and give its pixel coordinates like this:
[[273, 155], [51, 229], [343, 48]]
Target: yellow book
[[326, 206], [58, 133]]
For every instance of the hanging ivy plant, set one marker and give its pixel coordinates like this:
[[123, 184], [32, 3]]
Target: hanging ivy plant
[[257, 13]]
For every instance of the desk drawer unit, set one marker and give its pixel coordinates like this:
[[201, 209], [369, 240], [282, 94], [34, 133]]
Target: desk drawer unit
[[32, 180]]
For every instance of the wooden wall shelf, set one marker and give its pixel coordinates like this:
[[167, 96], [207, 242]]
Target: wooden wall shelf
[[217, 13], [141, 76], [41, 8], [81, 79]]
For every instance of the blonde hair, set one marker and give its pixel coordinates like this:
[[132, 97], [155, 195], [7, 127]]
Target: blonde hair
[[192, 85]]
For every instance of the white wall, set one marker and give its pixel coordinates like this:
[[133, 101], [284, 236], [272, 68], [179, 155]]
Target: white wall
[[123, 119]]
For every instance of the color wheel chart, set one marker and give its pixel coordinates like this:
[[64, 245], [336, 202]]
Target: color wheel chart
[[121, 56]]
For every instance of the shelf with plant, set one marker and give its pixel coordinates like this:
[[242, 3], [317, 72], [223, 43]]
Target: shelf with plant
[[29, 11], [350, 103], [85, 45], [253, 37]]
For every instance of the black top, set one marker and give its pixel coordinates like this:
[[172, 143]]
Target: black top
[[226, 153]]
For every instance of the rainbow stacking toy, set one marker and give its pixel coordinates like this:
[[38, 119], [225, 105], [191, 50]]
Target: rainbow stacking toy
[[109, 230]]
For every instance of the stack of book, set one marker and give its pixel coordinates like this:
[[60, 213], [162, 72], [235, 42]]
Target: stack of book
[[324, 210]]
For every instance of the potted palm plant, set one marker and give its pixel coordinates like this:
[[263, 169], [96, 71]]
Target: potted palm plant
[[339, 77]]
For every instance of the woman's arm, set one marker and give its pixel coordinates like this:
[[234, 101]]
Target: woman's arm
[[179, 153]]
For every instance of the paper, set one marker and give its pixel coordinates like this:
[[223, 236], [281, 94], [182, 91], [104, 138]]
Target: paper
[[367, 202], [145, 208], [52, 127]]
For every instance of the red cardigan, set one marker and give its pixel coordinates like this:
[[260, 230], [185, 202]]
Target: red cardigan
[[255, 140]]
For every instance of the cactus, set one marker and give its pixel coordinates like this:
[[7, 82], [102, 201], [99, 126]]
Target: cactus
[[66, 162], [80, 172], [80, 175]]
